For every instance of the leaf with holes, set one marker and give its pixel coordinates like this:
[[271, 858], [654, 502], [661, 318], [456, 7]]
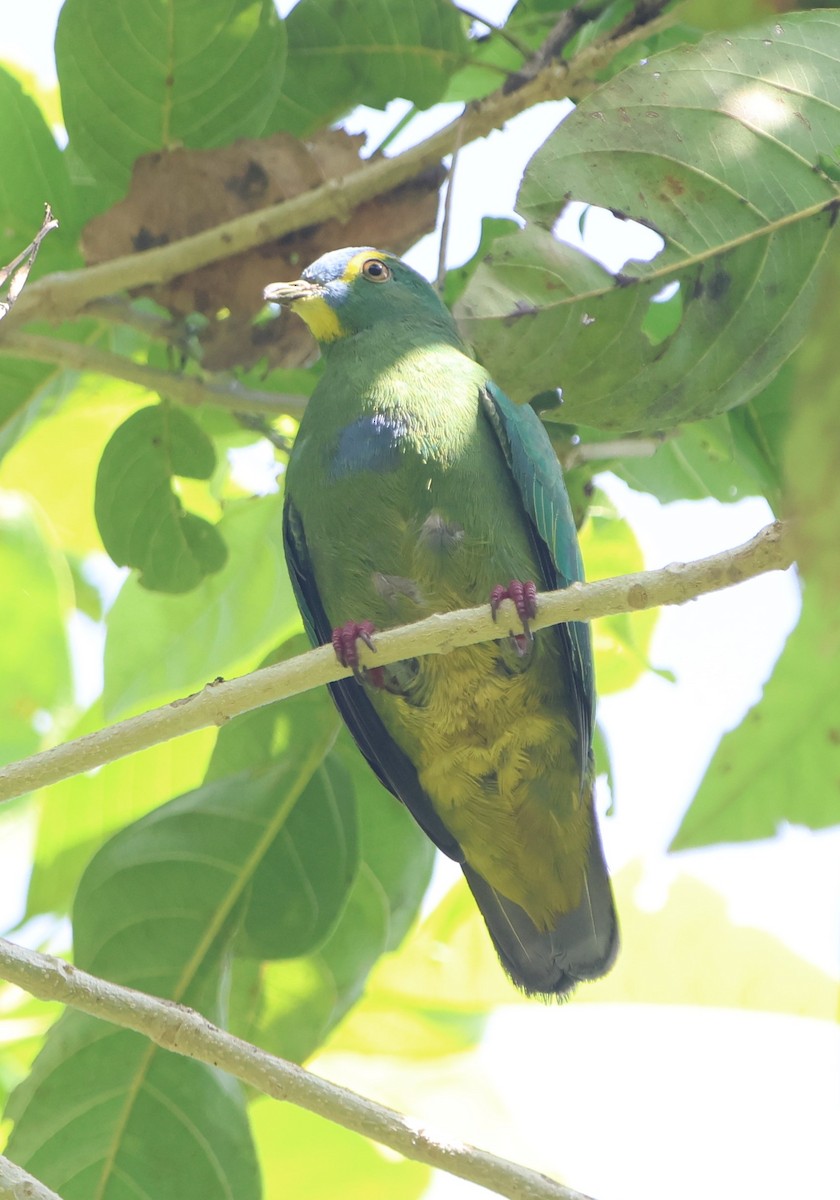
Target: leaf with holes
[[716, 146], [142, 522]]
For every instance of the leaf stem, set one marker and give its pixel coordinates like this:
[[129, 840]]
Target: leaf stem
[[770, 550]]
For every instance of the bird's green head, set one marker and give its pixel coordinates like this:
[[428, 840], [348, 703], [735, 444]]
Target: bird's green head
[[348, 291]]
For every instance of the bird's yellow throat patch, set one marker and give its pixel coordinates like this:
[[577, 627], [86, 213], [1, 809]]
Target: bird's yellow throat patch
[[321, 318]]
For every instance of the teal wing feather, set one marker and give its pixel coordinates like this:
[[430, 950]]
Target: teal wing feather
[[392, 766], [534, 466]]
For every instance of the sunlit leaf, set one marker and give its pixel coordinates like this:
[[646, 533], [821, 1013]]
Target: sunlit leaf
[[367, 52], [140, 516], [162, 646], [158, 908], [78, 814], [302, 1154], [782, 763], [34, 655], [136, 80], [621, 643]]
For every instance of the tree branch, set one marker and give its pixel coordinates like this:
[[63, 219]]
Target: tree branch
[[200, 388], [66, 293], [17, 1184], [186, 1032], [769, 550]]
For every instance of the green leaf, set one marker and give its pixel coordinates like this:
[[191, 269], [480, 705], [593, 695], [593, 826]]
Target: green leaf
[[103, 1114], [161, 646], [303, 1001], [62, 483], [727, 457], [35, 677], [34, 173], [304, 1155], [290, 1007], [135, 80], [78, 814], [458, 278], [782, 763], [141, 519], [301, 884], [158, 908], [621, 642], [368, 52], [716, 153]]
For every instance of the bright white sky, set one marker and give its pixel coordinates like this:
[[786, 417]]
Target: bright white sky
[[635, 1103]]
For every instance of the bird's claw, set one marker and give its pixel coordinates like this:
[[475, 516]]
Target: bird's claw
[[524, 597], [344, 642]]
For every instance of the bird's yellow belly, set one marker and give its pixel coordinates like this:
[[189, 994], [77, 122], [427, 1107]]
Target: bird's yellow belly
[[499, 761]]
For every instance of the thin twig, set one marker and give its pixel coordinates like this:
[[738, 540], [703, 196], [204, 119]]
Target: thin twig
[[21, 265], [66, 293], [627, 447], [445, 222], [184, 1031], [497, 31], [200, 388], [769, 550]]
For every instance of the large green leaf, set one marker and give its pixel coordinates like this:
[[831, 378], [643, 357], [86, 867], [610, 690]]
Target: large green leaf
[[719, 147], [63, 483], [140, 516], [35, 597], [365, 52], [727, 457], [782, 763], [34, 172], [140, 78], [304, 1155], [78, 814], [159, 908], [289, 1007], [162, 646]]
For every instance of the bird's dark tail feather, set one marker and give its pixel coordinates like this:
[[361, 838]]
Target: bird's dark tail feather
[[582, 945]]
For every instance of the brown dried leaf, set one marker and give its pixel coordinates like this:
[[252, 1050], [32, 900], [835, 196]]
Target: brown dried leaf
[[180, 192]]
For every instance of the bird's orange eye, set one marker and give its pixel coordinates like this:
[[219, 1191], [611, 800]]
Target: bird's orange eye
[[376, 270]]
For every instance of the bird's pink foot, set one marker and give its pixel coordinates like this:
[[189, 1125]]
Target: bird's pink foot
[[524, 597], [345, 639]]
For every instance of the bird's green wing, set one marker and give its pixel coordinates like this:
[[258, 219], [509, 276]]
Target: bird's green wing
[[539, 478], [393, 767]]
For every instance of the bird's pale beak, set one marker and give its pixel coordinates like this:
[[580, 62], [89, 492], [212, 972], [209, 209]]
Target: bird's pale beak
[[290, 293]]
